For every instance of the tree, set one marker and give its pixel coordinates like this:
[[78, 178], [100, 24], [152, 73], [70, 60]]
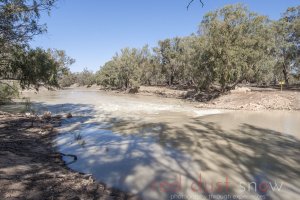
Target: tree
[[19, 23], [169, 53], [234, 45], [85, 78], [65, 77], [127, 69], [34, 67], [238, 44], [63, 60], [19, 20], [287, 34]]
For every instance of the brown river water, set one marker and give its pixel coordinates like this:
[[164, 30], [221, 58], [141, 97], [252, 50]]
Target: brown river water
[[161, 148]]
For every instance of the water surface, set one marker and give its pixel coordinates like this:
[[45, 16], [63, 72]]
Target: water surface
[[158, 147]]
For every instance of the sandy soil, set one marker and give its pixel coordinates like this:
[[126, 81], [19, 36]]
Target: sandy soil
[[31, 169], [256, 100], [243, 98]]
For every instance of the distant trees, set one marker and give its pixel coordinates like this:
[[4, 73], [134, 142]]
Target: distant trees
[[233, 45], [85, 77], [128, 69]]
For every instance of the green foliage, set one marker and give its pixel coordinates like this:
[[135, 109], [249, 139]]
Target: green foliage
[[169, 53], [287, 34], [238, 44], [126, 70], [33, 67], [8, 90], [67, 79], [19, 20], [19, 23], [85, 78]]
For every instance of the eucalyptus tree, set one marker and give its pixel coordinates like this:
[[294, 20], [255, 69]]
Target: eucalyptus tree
[[238, 42], [127, 69], [64, 75], [233, 45], [85, 78], [287, 34], [169, 53], [149, 69], [19, 23], [107, 76], [34, 67], [191, 46]]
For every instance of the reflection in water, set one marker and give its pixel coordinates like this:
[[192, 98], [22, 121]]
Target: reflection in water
[[164, 147]]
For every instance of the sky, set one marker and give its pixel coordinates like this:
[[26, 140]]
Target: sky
[[92, 31]]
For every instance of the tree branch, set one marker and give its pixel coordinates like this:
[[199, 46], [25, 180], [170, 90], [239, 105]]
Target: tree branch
[[11, 87], [192, 2]]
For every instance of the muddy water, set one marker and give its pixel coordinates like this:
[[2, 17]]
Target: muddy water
[[168, 149]]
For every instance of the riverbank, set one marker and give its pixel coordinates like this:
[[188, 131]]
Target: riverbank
[[130, 142], [242, 98], [30, 168]]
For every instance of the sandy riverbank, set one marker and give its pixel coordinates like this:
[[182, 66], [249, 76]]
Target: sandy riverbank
[[243, 98]]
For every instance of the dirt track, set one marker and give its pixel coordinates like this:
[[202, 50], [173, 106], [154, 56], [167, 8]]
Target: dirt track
[[31, 169]]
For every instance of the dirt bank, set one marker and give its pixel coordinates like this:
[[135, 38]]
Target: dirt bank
[[256, 100], [31, 169], [242, 98]]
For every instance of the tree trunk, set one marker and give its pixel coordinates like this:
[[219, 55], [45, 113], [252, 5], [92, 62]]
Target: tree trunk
[[285, 74], [126, 83]]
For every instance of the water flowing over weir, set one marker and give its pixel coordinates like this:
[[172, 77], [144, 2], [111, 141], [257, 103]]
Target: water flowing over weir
[[168, 149]]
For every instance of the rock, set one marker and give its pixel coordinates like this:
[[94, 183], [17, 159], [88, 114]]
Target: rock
[[69, 115], [47, 115], [47, 127]]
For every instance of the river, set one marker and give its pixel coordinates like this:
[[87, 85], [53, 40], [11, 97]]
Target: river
[[161, 148]]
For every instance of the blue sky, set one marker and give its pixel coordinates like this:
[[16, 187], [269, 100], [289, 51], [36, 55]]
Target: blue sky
[[92, 31]]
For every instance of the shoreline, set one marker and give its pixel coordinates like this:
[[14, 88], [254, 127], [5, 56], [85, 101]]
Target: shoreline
[[31, 167], [242, 98], [29, 160]]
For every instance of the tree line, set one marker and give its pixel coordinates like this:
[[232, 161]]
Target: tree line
[[22, 66], [233, 45]]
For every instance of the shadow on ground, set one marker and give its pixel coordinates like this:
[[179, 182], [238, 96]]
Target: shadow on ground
[[248, 155], [31, 169]]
